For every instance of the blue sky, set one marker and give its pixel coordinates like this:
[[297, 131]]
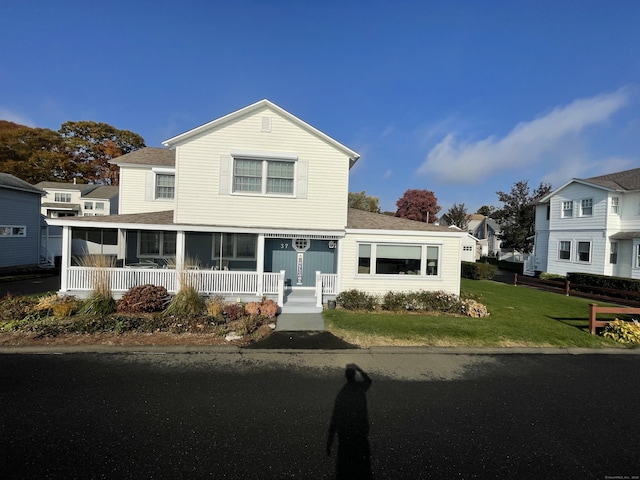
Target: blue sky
[[463, 98]]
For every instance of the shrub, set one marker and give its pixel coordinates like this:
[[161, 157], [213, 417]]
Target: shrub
[[98, 304], [268, 308], [15, 307], [143, 299], [394, 301], [186, 303], [214, 306], [624, 332], [61, 306], [357, 300], [233, 311], [252, 309], [478, 270]]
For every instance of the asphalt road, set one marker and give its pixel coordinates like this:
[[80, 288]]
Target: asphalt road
[[266, 415]]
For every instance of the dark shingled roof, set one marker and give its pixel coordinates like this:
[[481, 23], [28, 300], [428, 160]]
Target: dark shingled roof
[[79, 187], [161, 157], [14, 183], [626, 180], [361, 220], [151, 218], [103, 191]]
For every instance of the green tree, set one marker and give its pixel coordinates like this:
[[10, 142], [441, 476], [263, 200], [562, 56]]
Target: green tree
[[93, 144], [486, 210], [365, 202], [420, 205], [458, 216], [517, 215]]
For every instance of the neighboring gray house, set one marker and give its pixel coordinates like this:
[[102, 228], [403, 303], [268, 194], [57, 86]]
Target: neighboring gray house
[[20, 223]]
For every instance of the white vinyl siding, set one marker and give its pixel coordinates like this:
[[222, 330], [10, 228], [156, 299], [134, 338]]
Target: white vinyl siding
[[137, 192], [205, 177], [438, 251]]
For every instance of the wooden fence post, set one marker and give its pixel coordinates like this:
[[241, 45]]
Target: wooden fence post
[[592, 318], [515, 279], [567, 287]]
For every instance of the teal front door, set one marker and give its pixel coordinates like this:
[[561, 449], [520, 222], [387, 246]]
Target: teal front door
[[300, 266]]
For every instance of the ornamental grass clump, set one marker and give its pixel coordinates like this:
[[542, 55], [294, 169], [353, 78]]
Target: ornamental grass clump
[[100, 300], [187, 302], [61, 306]]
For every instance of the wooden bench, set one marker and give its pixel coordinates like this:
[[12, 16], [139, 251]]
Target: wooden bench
[[594, 310]]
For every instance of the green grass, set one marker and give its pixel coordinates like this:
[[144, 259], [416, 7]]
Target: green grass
[[519, 316]]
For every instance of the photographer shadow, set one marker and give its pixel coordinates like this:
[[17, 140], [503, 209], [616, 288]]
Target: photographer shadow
[[350, 422]]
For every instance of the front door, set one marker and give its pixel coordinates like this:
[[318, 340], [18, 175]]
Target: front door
[[300, 259]]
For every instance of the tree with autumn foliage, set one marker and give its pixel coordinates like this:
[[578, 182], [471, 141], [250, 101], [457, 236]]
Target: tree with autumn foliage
[[362, 201], [79, 150], [419, 205], [94, 144]]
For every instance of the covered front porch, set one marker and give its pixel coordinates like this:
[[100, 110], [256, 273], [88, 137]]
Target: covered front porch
[[237, 265]]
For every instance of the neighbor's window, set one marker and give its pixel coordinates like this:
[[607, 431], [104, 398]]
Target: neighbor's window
[[62, 197], [613, 255], [564, 252], [99, 205], [165, 186], [88, 205], [158, 244], [584, 251], [567, 209], [467, 248], [13, 231], [266, 177], [615, 205], [586, 207], [637, 256]]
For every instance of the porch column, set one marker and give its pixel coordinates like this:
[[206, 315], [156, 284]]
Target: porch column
[[66, 258], [260, 264], [338, 286], [180, 250]]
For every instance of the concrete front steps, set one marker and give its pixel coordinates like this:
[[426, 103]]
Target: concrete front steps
[[300, 300]]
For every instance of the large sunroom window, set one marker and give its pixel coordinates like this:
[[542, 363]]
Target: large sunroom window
[[398, 259]]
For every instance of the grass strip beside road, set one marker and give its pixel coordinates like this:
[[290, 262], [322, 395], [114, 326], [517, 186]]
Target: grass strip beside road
[[519, 317]]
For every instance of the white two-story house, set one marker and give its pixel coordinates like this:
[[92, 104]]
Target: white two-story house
[[591, 226], [255, 203]]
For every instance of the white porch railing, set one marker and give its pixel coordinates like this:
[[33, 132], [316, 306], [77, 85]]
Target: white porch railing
[[206, 281], [326, 284]]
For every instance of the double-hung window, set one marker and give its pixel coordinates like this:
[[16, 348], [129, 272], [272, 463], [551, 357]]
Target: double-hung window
[[62, 197], [586, 207], [584, 252], [613, 254], [564, 250], [165, 186], [567, 209], [157, 244], [263, 177], [615, 205]]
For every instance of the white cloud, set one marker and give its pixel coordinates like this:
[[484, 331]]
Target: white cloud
[[386, 174], [457, 161], [6, 114]]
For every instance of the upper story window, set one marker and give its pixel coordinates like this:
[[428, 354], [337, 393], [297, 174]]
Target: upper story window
[[62, 197], [88, 205], [586, 207], [165, 186], [263, 177], [13, 231], [615, 205], [567, 209]]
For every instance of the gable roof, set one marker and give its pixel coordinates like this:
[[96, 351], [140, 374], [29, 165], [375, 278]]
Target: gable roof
[[627, 180], [262, 104], [78, 187], [361, 220], [103, 192], [161, 157], [14, 183]]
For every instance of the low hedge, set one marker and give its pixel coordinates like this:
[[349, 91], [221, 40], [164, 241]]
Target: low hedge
[[582, 281], [478, 270]]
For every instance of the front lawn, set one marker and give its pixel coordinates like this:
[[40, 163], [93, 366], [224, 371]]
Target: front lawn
[[519, 316]]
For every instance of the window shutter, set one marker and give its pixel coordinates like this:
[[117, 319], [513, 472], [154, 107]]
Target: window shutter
[[149, 184], [302, 174], [225, 175]]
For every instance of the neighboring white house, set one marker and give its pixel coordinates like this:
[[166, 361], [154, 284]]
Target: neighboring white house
[[74, 200], [20, 223], [255, 203], [591, 226], [486, 230]]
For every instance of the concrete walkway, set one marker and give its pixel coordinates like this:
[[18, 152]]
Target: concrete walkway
[[300, 322]]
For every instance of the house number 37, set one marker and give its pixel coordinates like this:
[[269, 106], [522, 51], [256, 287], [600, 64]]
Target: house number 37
[[284, 246]]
